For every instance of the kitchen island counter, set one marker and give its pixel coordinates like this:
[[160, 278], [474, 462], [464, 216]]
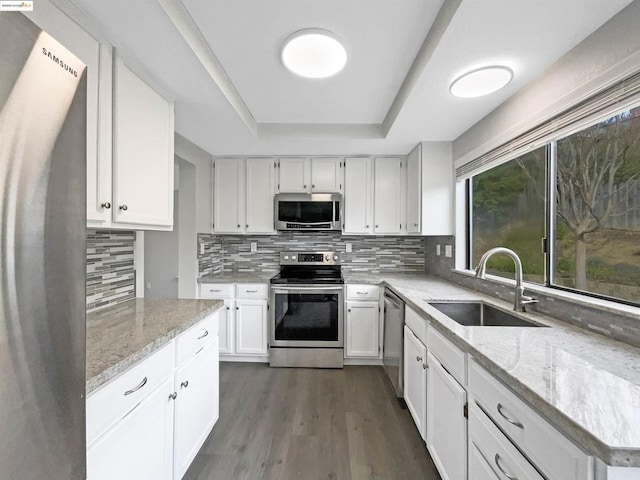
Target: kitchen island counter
[[124, 334]]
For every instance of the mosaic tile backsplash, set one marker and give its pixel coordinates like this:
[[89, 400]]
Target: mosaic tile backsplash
[[110, 269], [618, 326], [232, 253]]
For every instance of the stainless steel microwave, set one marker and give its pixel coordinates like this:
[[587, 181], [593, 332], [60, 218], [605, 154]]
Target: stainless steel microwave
[[308, 211]]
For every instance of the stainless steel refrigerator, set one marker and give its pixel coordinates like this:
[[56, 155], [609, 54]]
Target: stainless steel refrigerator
[[42, 249]]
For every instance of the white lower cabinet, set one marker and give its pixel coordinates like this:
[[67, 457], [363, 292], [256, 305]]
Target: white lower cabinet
[[251, 327], [196, 405], [140, 445], [149, 422], [490, 450], [446, 422], [415, 379], [362, 329], [244, 319]]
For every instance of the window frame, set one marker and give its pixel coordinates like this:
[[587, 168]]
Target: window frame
[[549, 240]]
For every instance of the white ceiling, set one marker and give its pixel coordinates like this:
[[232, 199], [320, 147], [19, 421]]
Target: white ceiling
[[253, 105]]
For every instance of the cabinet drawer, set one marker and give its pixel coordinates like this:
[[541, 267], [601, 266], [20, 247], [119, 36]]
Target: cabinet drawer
[[115, 399], [491, 447], [192, 340], [416, 323], [252, 290], [363, 292], [552, 453], [216, 290], [451, 357]]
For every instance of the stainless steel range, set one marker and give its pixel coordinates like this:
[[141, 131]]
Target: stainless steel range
[[307, 318]]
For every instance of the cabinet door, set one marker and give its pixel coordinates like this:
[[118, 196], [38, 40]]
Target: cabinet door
[[358, 197], [226, 326], [196, 383], [362, 329], [326, 175], [260, 188], [251, 327], [140, 446], [387, 193], [415, 379], [446, 422], [228, 192], [98, 62], [414, 187], [143, 152], [294, 175]]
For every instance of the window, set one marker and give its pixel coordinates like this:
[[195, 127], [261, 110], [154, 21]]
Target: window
[[508, 210], [593, 209]]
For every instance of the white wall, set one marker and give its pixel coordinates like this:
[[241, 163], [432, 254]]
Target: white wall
[[610, 54], [187, 234]]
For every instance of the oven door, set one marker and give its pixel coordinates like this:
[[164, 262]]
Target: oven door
[[307, 316]]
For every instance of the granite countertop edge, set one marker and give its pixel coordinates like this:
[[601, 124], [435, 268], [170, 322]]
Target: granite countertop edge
[[611, 455], [105, 376]]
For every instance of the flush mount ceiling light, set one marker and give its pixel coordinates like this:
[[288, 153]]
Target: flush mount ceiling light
[[314, 53], [482, 81]]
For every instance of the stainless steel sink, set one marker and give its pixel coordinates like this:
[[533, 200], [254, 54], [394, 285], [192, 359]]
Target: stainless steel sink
[[479, 314]]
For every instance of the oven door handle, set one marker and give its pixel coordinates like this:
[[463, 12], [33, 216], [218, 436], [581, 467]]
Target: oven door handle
[[293, 289]]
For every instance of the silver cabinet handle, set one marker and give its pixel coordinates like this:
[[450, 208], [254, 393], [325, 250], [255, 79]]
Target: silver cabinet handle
[[184, 384], [418, 359], [124, 207], [512, 421], [228, 308], [304, 186], [362, 293], [510, 476], [367, 226], [173, 396], [424, 366], [106, 205], [251, 291], [313, 186], [206, 332], [138, 387]]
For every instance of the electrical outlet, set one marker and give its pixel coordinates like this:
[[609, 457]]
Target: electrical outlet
[[254, 246], [148, 285], [448, 251], [348, 247], [438, 250], [201, 248]]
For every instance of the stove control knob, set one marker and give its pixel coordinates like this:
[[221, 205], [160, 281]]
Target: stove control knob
[[293, 257], [327, 257], [286, 257], [335, 257]]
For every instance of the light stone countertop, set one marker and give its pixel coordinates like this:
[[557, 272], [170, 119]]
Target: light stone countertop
[[122, 335], [585, 384], [239, 277]]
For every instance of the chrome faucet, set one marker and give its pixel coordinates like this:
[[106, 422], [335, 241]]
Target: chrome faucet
[[521, 299]]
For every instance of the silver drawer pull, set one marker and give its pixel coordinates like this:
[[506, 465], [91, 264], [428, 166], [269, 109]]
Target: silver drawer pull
[[206, 332], [362, 293], [184, 384], [251, 291], [138, 387], [509, 419], [418, 359], [506, 474], [173, 396]]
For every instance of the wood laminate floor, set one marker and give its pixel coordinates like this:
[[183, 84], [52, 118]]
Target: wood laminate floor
[[290, 424]]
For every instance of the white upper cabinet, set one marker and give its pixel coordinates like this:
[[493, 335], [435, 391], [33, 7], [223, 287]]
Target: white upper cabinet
[[437, 188], [414, 190], [358, 196], [294, 175], [243, 191], [142, 153], [260, 188], [326, 175], [228, 188], [388, 192]]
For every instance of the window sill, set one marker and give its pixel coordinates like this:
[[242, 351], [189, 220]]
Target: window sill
[[576, 298]]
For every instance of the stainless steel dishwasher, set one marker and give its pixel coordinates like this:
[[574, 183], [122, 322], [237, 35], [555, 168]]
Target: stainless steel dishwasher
[[392, 353]]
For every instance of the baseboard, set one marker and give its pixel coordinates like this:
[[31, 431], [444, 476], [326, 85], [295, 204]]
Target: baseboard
[[243, 358], [363, 361]]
